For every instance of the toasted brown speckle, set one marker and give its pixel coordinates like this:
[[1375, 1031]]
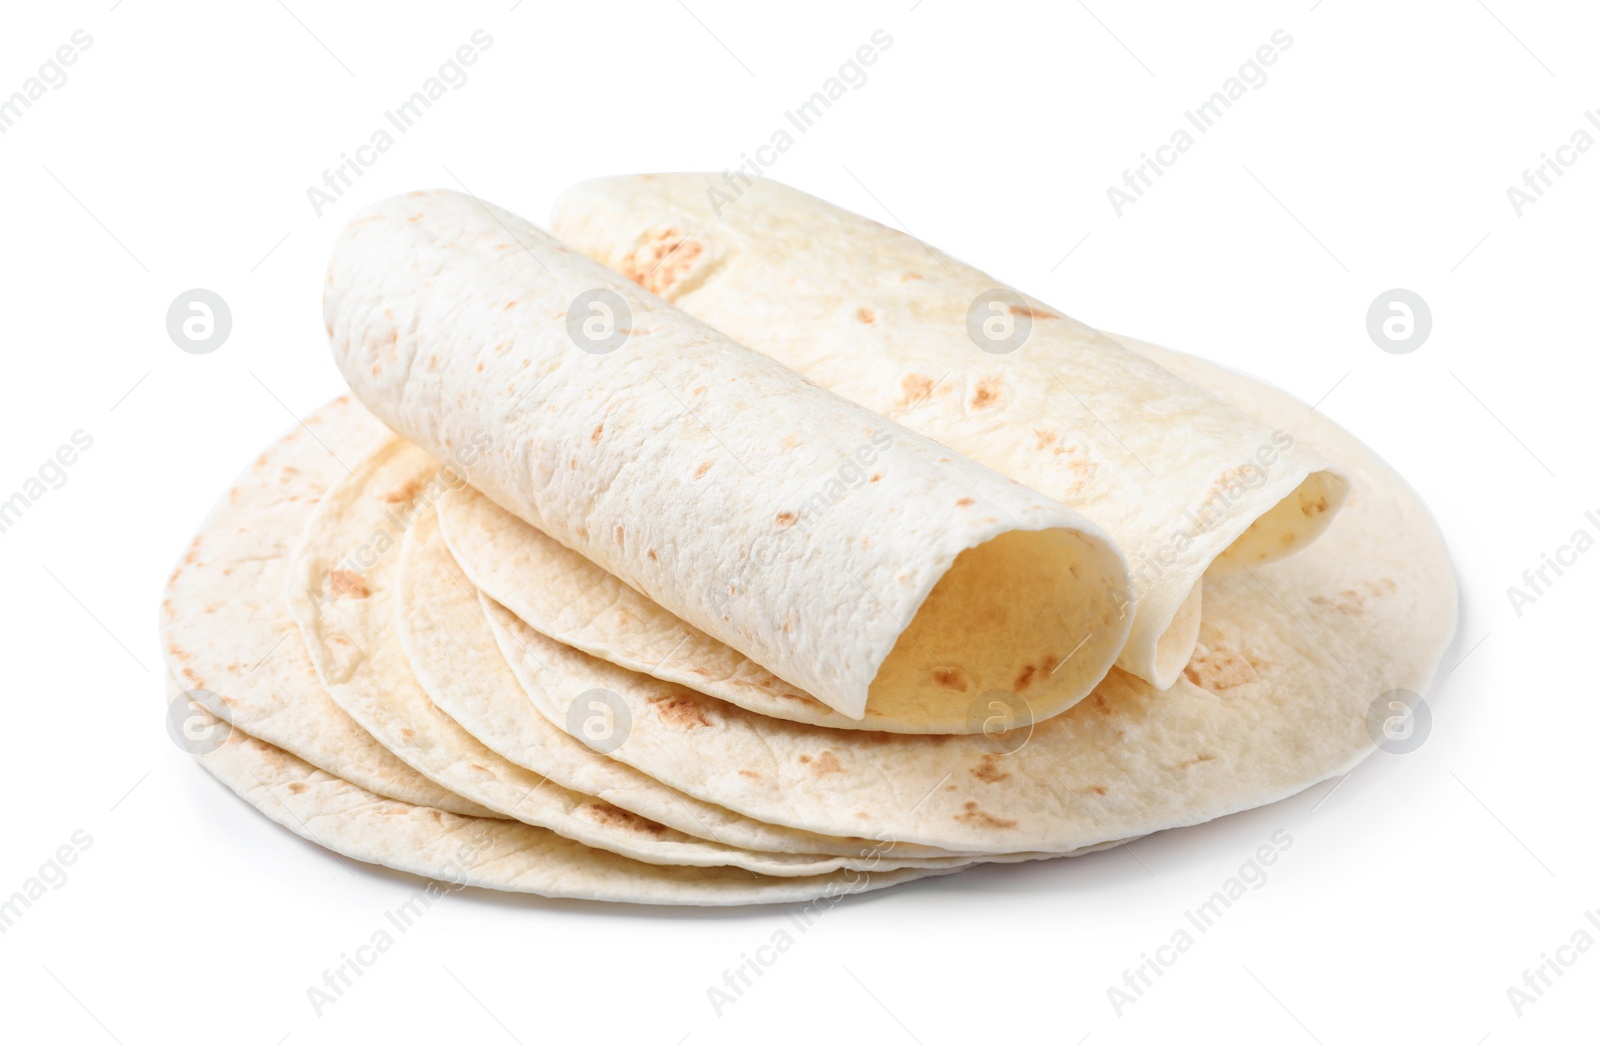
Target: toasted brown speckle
[[681, 711], [986, 394], [609, 815], [345, 584], [976, 817], [1217, 668], [989, 770], [403, 494]]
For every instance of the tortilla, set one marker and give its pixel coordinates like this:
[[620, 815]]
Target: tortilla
[[559, 593], [865, 564], [1292, 657], [342, 592], [226, 631], [488, 853], [1185, 485], [453, 652]]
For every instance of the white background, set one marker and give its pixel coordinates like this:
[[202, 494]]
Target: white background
[[1377, 155]]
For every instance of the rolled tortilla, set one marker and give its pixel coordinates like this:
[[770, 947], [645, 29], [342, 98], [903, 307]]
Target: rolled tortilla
[[866, 564], [1185, 483]]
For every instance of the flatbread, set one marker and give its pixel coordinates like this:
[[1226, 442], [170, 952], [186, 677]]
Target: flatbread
[[342, 592], [451, 648], [226, 630], [489, 853], [1185, 485], [1292, 657], [867, 565]]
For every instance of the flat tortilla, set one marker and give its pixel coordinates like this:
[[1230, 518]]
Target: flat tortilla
[[490, 853]]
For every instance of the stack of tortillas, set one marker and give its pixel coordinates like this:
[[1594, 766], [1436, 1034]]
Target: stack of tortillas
[[743, 550]]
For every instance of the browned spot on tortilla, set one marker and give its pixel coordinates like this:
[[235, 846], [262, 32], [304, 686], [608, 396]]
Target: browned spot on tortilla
[[1044, 437], [297, 787], [1216, 668], [965, 502], [1100, 704], [662, 258], [1096, 788], [594, 436], [1024, 678], [1317, 507], [976, 817], [876, 477], [680, 710], [864, 314], [194, 551], [1196, 760], [951, 678], [989, 770], [1352, 602], [1031, 313], [752, 774], [705, 466], [909, 276], [786, 519], [619, 533], [609, 815], [343, 583], [826, 763], [987, 393], [407, 734], [408, 492], [510, 305], [651, 552], [916, 387], [479, 367]]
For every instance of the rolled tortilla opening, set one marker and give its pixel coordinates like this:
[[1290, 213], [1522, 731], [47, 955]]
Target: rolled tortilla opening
[[1008, 623], [1288, 526]]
